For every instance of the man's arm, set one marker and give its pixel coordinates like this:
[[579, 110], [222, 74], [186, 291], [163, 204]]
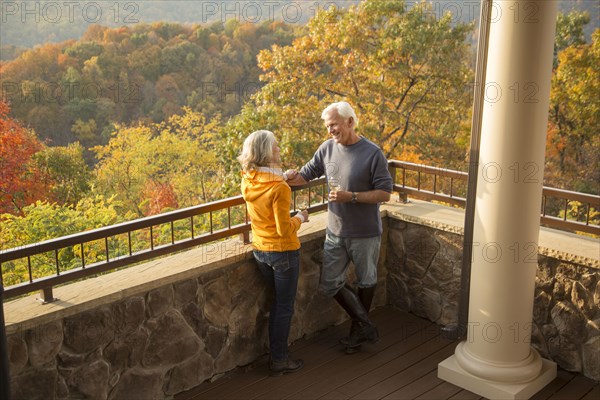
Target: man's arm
[[370, 196]]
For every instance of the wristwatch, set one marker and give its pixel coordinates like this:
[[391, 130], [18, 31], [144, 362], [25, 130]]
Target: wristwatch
[[354, 197]]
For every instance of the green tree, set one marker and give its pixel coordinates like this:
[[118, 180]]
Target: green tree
[[68, 170], [42, 221], [569, 29], [86, 131]]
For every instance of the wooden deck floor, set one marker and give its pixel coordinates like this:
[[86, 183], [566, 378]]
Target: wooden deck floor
[[403, 365]]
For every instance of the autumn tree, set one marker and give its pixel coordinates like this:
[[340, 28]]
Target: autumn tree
[[75, 90], [573, 148], [22, 181], [153, 167], [405, 72]]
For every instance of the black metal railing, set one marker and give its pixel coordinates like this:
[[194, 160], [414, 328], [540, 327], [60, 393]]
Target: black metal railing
[[429, 183], [561, 209], [178, 230], [213, 229]]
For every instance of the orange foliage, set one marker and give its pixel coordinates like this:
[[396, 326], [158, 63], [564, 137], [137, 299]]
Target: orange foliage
[[21, 182], [410, 155], [160, 196]]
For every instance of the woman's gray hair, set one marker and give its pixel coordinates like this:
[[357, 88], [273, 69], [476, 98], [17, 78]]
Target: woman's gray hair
[[257, 150], [343, 109]]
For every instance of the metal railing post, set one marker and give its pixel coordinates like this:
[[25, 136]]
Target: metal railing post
[[4, 372], [460, 330]]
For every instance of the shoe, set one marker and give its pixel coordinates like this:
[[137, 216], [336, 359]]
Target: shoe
[[353, 332], [364, 333], [279, 368], [359, 334]]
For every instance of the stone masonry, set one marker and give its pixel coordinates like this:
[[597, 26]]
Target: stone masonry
[[424, 267]]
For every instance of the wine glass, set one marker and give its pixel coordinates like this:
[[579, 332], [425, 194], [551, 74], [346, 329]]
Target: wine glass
[[334, 183], [302, 202]]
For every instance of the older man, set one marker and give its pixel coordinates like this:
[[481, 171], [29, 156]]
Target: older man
[[359, 169]]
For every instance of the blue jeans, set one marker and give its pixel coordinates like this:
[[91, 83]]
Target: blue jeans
[[281, 270], [337, 254]]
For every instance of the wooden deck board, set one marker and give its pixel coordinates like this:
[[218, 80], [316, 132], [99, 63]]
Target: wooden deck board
[[399, 380], [465, 395], [405, 355], [593, 394], [576, 388], [417, 387], [444, 390], [347, 368], [335, 363], [335, 395], [402, 365], [562, 378]]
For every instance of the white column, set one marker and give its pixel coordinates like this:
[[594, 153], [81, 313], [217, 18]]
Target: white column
[[496, 360]]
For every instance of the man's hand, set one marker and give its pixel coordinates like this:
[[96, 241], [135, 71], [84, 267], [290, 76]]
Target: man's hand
[[294, 178], [341, 196]]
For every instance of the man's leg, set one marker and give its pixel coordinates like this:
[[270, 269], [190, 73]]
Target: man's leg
[[365, 256], [333, 276], [335, 264]]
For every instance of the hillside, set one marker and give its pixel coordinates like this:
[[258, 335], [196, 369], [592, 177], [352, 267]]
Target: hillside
[[25, 25], [76, 90]]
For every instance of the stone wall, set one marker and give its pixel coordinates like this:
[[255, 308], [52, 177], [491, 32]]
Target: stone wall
[[566, 315], [424, 264], [164, 341]]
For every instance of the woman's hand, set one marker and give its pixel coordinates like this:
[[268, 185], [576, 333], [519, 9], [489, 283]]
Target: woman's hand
[[305, 215]]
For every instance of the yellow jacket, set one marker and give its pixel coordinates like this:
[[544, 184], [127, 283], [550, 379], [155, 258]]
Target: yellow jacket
[[268, 200]]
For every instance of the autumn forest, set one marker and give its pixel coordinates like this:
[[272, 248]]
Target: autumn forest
[[136, 120]]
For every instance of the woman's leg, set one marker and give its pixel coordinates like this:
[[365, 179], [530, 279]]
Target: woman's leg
[[285, 276], [281, 271]]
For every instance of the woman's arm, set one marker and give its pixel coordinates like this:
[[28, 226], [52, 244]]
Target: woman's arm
[[284, 224]]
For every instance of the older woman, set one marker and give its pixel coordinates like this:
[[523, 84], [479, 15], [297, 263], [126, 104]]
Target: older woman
[[275, 242]]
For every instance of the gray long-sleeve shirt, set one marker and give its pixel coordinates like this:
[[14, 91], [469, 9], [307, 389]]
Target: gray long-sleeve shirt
[[360, 167]]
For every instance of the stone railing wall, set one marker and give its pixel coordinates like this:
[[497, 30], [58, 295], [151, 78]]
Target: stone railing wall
[[158, 329], [424, 268], [161, 328]]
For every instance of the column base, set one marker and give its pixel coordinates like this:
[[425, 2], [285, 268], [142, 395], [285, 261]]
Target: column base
[[450, 371]]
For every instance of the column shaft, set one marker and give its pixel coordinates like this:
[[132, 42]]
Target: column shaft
[[509, 192]]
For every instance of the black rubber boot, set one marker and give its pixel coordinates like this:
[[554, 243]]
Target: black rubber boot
[[367, 331], [366, 298]]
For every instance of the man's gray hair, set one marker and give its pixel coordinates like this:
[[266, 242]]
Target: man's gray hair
[[343, 109]]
